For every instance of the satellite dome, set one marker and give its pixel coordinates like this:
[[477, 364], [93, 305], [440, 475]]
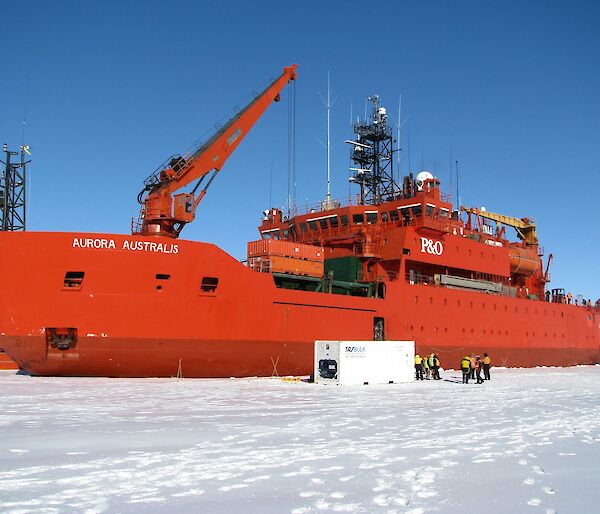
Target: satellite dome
[[421, 178]]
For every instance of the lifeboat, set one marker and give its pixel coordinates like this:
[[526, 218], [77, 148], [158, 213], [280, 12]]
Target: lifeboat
[[523, 261]]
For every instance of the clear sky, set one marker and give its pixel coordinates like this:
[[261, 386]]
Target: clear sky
[[113, 88]]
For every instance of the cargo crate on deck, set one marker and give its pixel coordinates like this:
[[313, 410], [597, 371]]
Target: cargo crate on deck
[[271, 247], [278, 264]]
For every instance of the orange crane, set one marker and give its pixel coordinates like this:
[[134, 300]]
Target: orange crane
[[165, 214]]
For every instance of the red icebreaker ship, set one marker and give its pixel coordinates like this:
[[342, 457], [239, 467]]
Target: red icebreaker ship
[[397, 262]]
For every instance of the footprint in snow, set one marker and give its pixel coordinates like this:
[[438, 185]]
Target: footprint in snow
[[426, 477], [383, 500], [332, 468], [529, 481], [548, 490], [254, 479], [300, 510], [346, 479], [534, 502], [448, 463], [227, 488], [523, 462], [538, 470], [337, 495], [308, 494], [321, 504]]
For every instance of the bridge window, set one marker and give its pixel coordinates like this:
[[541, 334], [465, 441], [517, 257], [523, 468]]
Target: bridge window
[[417, 210], [333, 222], [429, 210], [323, 223], [312, 225], [358, 218], [372, 217], [303, 227], [394, 215], [344, 220]]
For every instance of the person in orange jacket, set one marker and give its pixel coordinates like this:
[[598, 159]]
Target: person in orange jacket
[[473, 361], [478, 366]]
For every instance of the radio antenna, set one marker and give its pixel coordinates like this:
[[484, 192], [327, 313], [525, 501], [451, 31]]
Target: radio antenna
[[457, 189]]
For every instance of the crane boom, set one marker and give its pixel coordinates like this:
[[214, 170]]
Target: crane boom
[[525, 227], [165, 214]]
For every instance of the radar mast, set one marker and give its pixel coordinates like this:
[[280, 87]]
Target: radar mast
[[372, 152]]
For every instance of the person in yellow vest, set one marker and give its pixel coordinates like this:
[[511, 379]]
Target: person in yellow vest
[[465, 366], [426, 368], [418, 367], [487, 362]]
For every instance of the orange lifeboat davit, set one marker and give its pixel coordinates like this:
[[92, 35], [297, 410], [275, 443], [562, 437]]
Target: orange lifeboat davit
[[523, 261]]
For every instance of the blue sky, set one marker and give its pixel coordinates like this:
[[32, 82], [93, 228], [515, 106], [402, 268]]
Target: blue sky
[[113, 88]]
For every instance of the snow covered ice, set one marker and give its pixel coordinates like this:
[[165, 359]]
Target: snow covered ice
[[528, 441]]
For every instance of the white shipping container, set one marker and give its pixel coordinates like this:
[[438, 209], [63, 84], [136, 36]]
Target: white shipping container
[[364, 362]]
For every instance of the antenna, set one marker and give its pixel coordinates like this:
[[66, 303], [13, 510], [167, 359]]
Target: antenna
[[409, 165], [271, 187], [451, 174], [457, 190], [328, 198], [398, 135], [328, 104]]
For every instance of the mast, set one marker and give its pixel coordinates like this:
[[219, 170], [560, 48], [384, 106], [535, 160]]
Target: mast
[[372, 154], [13, 190], [328, 206], [398, 149]]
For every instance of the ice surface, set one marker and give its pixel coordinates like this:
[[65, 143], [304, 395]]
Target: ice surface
[[527, 441]]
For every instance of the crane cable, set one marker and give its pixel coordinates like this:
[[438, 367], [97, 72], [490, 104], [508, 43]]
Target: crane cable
[[291, 203]]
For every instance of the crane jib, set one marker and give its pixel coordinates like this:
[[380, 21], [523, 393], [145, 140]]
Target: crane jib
[[164, 213]]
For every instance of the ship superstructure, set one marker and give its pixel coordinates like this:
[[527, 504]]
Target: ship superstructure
[[397, 262]]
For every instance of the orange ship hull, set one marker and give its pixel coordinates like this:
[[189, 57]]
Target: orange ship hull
[[141, 307]]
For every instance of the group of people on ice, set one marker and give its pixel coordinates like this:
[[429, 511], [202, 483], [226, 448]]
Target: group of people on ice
[[472, 366], [427, 367]]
